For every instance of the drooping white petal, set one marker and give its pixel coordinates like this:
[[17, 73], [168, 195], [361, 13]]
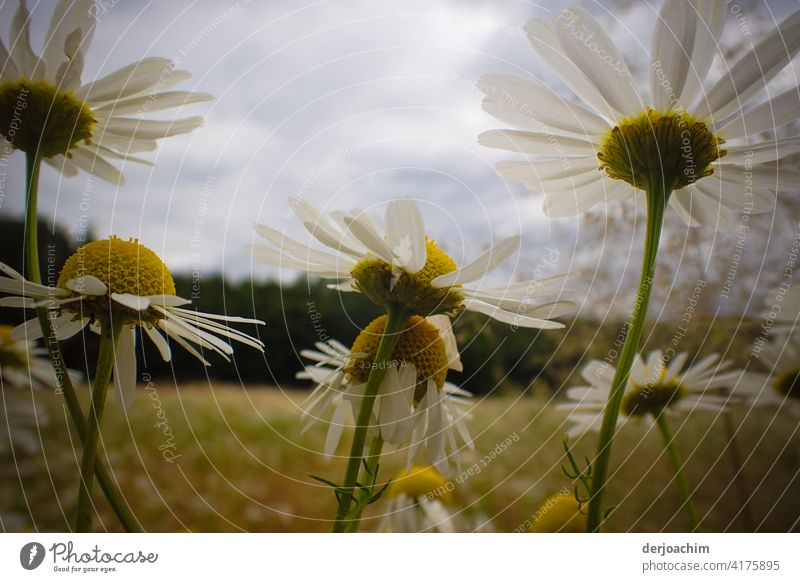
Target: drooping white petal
[[159, 341], [546, 170], [406, 234], [442, 323], [484, 264], [125, 366], [96, 165]]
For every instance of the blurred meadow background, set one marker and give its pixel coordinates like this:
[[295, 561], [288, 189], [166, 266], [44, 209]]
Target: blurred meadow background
[[354, 105]]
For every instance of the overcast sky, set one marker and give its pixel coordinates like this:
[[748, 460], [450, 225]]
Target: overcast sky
[[347, 104]]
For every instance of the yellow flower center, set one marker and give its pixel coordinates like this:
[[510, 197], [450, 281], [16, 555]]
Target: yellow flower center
[[36, 117], [560, 513], [10, 354], [420, 482], [654, 148], [420, 344], [651, 398], [788, 383], [124, 266], [386, 287]]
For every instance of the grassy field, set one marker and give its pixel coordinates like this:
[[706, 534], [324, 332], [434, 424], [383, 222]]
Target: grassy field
[[224, 459]]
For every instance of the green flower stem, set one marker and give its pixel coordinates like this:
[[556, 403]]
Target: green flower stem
[[396, 320], [109, 338], [677, 465], [656, 206], [63, 381], [371, 463]]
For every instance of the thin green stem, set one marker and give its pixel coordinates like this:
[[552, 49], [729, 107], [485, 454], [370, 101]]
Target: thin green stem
[[109, 338], [63, 381], [656, 206], [677, 465], [396, 320], [371, 462]]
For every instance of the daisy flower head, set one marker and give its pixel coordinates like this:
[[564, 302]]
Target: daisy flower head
[[123, 282], [406, 269], [668, 141], [781, 387], [24, 365], [419, 498], [415, 405], [47, 111], [654, 386], [560, 513], [20, 420]]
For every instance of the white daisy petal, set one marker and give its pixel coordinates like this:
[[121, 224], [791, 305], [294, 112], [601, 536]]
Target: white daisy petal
[[406, 234], [87, 285], [127, 81], [528, 142], [125, 366], [130, 301], [161, 344], [672, 49], [22, 54], [68, 16], [599, 61], [515, 319], [753, 71], [708, 32], [484, 264], [768, 116], [8, 69]]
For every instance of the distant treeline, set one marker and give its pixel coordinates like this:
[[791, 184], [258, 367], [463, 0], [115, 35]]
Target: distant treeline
[[496, 358]]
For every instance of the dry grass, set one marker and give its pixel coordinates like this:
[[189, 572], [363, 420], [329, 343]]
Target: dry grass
[[242, 465]]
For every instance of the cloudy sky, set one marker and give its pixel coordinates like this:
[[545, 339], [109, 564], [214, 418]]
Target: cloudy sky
[[346, 104]]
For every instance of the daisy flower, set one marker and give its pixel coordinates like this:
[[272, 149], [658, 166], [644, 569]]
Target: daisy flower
[[419, 498], [22, 364], [405, 268], [20, 419], [415, 406], [653, 387], [782, 386], [45, 108], [560, 513], [619, 140], [126, 282]]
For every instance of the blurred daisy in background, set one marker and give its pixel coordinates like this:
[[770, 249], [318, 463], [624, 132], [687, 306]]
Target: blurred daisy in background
[[415, 405], [655, 387], [419, 499], [22, 364], [120, 281], [781, 387], [619, 141], [560, 513], [46, 110], [405, 268]]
